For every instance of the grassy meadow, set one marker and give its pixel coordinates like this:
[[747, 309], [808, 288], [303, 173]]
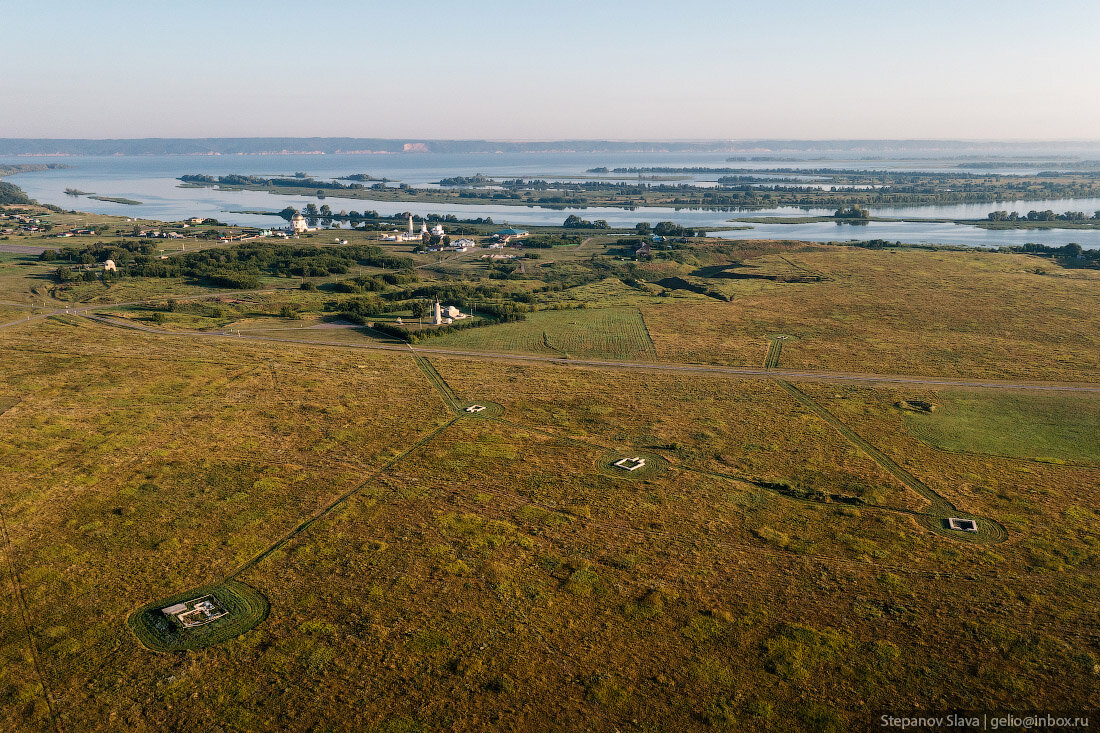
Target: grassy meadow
[[607, 333], [1041, 427], [782, 566]]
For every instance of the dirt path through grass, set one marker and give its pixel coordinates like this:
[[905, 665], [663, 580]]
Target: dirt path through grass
[[21, 602], [939, 508], [746, 372]]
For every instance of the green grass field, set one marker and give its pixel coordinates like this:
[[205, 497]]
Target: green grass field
[[606, 333], [782, 567], [1044, 427]]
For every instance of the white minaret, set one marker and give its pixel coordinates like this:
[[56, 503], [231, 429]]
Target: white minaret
[[410, 223], [437, 314]]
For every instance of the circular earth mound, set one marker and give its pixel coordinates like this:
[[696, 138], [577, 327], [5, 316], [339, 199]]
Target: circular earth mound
[[989, 531], [632, 464], [238, 608], [491, 409]]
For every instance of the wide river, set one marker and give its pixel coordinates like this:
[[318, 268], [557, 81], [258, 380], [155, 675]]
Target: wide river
[[153, 181]]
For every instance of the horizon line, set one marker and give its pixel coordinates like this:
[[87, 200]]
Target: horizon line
[[580, 139]]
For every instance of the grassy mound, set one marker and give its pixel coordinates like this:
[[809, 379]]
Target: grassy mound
[[654, 464], [989, 531], [247, 608], [492, 409]]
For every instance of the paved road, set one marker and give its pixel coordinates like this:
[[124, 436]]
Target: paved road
[[652, 367]]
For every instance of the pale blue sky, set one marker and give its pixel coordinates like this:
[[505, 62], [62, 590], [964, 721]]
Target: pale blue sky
[[546, 70]]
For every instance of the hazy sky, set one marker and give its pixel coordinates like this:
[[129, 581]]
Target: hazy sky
[[535, 69]]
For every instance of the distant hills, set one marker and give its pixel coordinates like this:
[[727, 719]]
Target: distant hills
[[334, 145]]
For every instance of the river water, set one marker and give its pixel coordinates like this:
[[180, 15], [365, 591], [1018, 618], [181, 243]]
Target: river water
[[153, 181]]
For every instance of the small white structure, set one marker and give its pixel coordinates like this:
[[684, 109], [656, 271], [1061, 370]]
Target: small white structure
[[441, 315], [109, 266], [412, 235], [454, 313], [298, 224], [437, 230], [630, 464], [476, 408], [962, 525], [196, 612]]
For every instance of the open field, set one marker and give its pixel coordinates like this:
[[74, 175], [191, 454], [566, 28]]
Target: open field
[[612, 333], [1017, 425], [903, 311], [489, 563], [391, 562]]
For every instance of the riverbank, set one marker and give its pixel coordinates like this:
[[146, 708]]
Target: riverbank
[[980, 223], [804, 188]]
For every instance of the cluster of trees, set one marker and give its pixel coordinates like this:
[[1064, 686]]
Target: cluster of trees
[[240, 267], [298, 181], [375, 283], [852, 212], [478, 180], [575, 222], [466, 296], [361, 310], [66, 274], [1047, 215], [546, 241], [670, 229], [667, 229], [121, 252], [1071, 251], [12, 194], [313, 213]]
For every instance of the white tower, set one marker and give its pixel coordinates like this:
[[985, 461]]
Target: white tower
[[437, 314], [410, 223]]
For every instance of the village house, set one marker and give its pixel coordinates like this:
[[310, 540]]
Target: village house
[[506, 235]]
